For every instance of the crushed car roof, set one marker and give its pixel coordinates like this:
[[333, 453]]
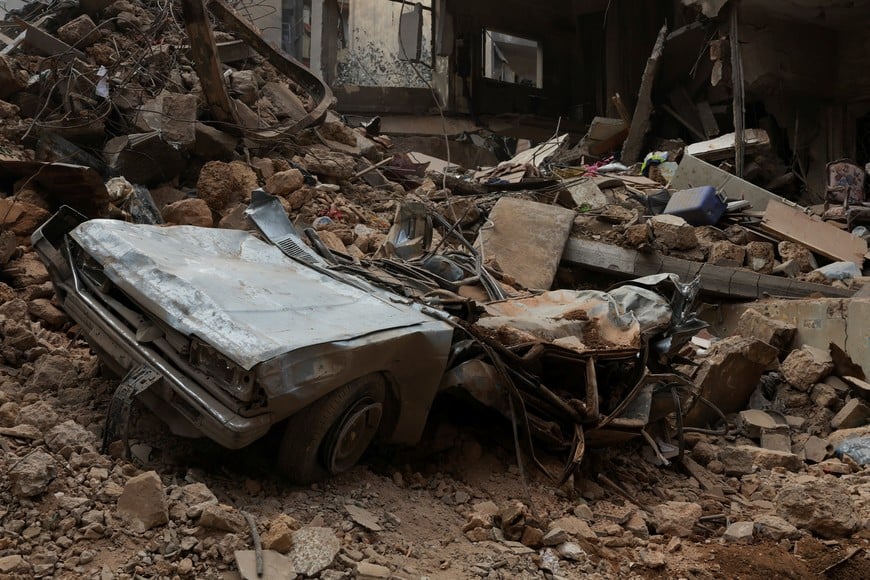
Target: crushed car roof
[[236, 292]]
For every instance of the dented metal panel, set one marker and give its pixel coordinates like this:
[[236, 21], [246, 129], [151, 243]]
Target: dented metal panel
[[235, 291]]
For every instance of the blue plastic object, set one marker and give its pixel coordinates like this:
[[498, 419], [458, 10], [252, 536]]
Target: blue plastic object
[[700, 206], [857, 448]]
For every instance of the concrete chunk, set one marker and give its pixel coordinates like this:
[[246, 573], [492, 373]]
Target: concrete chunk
[[740, 533], [143, 502], [728, 376], [526, 240], [807, 366], [776, 333], [853, 414]]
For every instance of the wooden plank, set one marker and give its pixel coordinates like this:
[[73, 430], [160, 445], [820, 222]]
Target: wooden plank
[[755, 140], [715, 280], [708, 120], [208, 65], [703, 476], [794, 225], [640, 121]]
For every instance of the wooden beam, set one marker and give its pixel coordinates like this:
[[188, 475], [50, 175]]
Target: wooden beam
[[640, 122], [207, 62], [794, 225], [737, 87], [715, 280]]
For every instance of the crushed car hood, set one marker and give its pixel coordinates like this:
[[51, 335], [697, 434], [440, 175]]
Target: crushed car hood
[[239, 294]]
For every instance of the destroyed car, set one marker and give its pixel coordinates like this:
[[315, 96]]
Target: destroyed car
[[225, 335]]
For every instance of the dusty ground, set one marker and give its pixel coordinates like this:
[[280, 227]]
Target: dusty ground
[[421, 498]]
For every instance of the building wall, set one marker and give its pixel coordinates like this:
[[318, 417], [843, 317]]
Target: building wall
[[371, 54], [265, 14]]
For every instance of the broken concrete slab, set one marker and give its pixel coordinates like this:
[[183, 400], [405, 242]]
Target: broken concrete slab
[[586, 195], [694, 172], [776, 333], [526, 240], [172, 115], [820, 322], [275, 566], [777, 439], [715, 280], [728, 376]]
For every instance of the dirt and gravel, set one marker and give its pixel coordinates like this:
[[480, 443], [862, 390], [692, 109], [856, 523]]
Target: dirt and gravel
[[455, 506]]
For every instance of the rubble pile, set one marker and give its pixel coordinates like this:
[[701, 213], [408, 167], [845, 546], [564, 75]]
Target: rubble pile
[[771, 450]]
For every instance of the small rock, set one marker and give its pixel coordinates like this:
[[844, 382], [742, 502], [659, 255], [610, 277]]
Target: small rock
[[740, 533], [572, 551], [189, 212], [80, 32], [31, 475], [363, 517], [284, 183], [275, 566], [222, 517], [555, 537], [674, 232], [652, 558], [70, 434], [366, 570], [532, 537], [143, 502], [676, 518], [798, 253], [189, 500], [816, 449], [775, 528], [824, 395], [314, 549], [724, 253], [760, 257], [807, 366], [44, 310], [574, 526], [279, 537], [743, 459], [13, 564]]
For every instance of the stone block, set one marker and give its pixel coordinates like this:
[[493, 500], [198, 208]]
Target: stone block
[[776, 333], [853, 414]]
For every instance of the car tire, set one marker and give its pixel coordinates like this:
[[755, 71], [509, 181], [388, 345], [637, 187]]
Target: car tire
[[330, 435]]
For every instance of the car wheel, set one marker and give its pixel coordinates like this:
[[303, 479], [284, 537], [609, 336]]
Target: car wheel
[[330, 435]]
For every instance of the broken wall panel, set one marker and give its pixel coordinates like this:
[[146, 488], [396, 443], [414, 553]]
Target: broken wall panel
[[819, 322]]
